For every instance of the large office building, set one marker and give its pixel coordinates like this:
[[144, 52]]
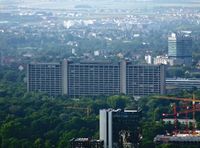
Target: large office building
[[96, 78], [45, 77], [180, 47], [92, 78], [143, 80], [119, 128]]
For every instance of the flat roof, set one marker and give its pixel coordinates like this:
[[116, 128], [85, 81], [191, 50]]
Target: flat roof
[[180, 138], [120, 110]]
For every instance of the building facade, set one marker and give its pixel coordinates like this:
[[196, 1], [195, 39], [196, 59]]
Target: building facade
[[93, 78], [119, 128], [96, 78], [179, 84], [180, 47], [143, 80], [45, 77]]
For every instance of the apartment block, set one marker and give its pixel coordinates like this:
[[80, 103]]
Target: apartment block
[[95, 78], [92, 78], [45, 77], [143, 80]]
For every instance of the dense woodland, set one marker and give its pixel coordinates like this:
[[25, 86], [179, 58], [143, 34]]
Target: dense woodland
[[37, 120]]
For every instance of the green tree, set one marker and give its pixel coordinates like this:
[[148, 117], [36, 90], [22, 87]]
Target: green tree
[[118, 101], [38, 143]]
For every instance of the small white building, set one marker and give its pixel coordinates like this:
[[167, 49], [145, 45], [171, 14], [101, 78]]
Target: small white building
[[148, 59]]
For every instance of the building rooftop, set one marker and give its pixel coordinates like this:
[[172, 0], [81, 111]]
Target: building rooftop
[[180, 138], [182, 80], [121, 110]]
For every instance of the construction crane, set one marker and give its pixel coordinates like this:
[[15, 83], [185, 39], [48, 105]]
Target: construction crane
[[193, 100], [178, 99], [195, 108], [176, 113]]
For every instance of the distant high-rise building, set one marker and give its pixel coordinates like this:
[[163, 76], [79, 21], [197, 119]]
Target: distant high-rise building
[[119, 128], [180, 47], [96, 78]]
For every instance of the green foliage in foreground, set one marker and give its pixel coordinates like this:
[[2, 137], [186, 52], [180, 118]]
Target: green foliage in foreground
[[40, 121]]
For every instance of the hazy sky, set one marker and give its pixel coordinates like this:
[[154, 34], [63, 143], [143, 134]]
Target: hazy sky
[[110, 4]]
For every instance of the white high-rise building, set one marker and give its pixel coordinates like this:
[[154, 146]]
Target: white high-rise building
[[180, 47]]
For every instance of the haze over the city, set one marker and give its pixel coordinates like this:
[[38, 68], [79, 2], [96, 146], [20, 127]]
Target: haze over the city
[[104, 4]]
